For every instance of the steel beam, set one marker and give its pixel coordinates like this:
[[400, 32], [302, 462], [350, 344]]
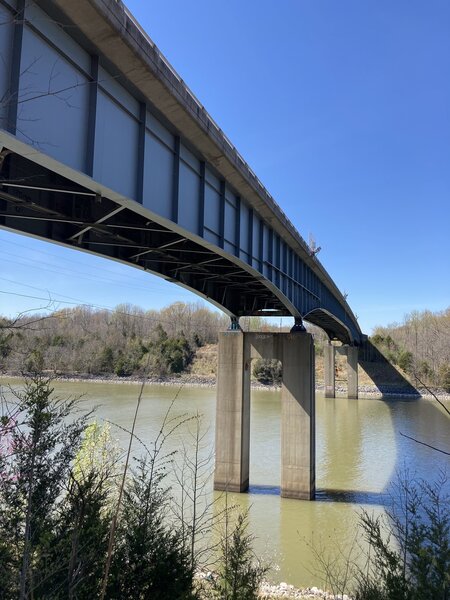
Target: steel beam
[[98, 222], [92, 116], [13, 91], [176, 180], [140, 163]]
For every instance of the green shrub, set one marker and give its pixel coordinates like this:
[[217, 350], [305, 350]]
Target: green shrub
[[35, 362], [122, 368], [240, 573], [57, 490], [32, 482], [169, 355], [444, 377], [150, 559], [268, 371], [377, 339], [409, 555], [405, 361], [391, 357], [106, 360]]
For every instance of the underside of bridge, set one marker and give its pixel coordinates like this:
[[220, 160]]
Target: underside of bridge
[[332, 327], [39, 202], [103, 148]]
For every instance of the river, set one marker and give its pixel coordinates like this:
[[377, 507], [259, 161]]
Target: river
[[360, 449]]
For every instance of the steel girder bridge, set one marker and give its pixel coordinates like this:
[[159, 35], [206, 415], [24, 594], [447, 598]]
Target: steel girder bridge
[[105, 149]]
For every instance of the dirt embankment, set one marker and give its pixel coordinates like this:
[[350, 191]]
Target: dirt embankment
[[384, 379]]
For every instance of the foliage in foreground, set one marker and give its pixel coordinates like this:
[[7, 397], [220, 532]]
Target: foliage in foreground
[[37, 448], [240, 573], [150, 559], [407, 552], [57, 495], [413, 561]]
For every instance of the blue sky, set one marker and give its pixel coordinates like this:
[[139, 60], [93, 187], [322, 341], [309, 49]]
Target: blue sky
[[343, 111]]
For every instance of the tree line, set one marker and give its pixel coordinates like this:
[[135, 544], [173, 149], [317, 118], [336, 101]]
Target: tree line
[[129, 341], [125, 341]]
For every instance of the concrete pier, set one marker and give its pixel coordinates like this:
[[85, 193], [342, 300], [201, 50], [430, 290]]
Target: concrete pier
[[352, 372], [329, 370], [298, 460], [232, 414], [296, 352], [329, 353]]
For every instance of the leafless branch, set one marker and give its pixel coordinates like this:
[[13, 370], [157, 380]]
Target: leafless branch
[[424, 444], [430, 391]]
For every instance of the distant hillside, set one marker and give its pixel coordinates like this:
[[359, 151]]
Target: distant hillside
[[183, 338], [420, 346], [99, 342]]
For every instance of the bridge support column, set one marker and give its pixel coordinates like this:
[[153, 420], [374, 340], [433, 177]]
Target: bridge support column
[[232, 414], [296, 351], [329, 370], [298, 417], [352, 372]]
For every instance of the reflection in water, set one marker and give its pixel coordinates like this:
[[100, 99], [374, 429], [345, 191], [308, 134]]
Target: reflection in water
[[359, 451], [268, 490], [351, 497]]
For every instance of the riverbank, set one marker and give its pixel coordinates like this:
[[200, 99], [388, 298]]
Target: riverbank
[[209, 381], [274, 591]]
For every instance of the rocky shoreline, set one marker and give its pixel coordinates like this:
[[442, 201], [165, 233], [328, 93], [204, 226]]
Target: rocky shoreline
[[270, 591], [190, 380]]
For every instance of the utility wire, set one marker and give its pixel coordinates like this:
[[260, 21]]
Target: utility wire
[[33, 287], [97, 306], [86, 275]]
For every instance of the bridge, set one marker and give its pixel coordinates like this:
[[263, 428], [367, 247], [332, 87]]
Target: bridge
[[105, 149]]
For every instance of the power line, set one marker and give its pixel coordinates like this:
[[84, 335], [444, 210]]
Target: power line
[[49, 299], [33, 287], [56, 269], [61, 270], [88, 276], [65, 258], [97, 306]]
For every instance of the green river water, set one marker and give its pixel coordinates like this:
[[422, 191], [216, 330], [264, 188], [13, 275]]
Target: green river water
[[359, 451]]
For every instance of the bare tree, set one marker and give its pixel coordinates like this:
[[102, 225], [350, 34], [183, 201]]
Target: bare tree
[[196, 510]]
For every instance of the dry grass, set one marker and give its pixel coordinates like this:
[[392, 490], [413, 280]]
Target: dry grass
[[205, 361]]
